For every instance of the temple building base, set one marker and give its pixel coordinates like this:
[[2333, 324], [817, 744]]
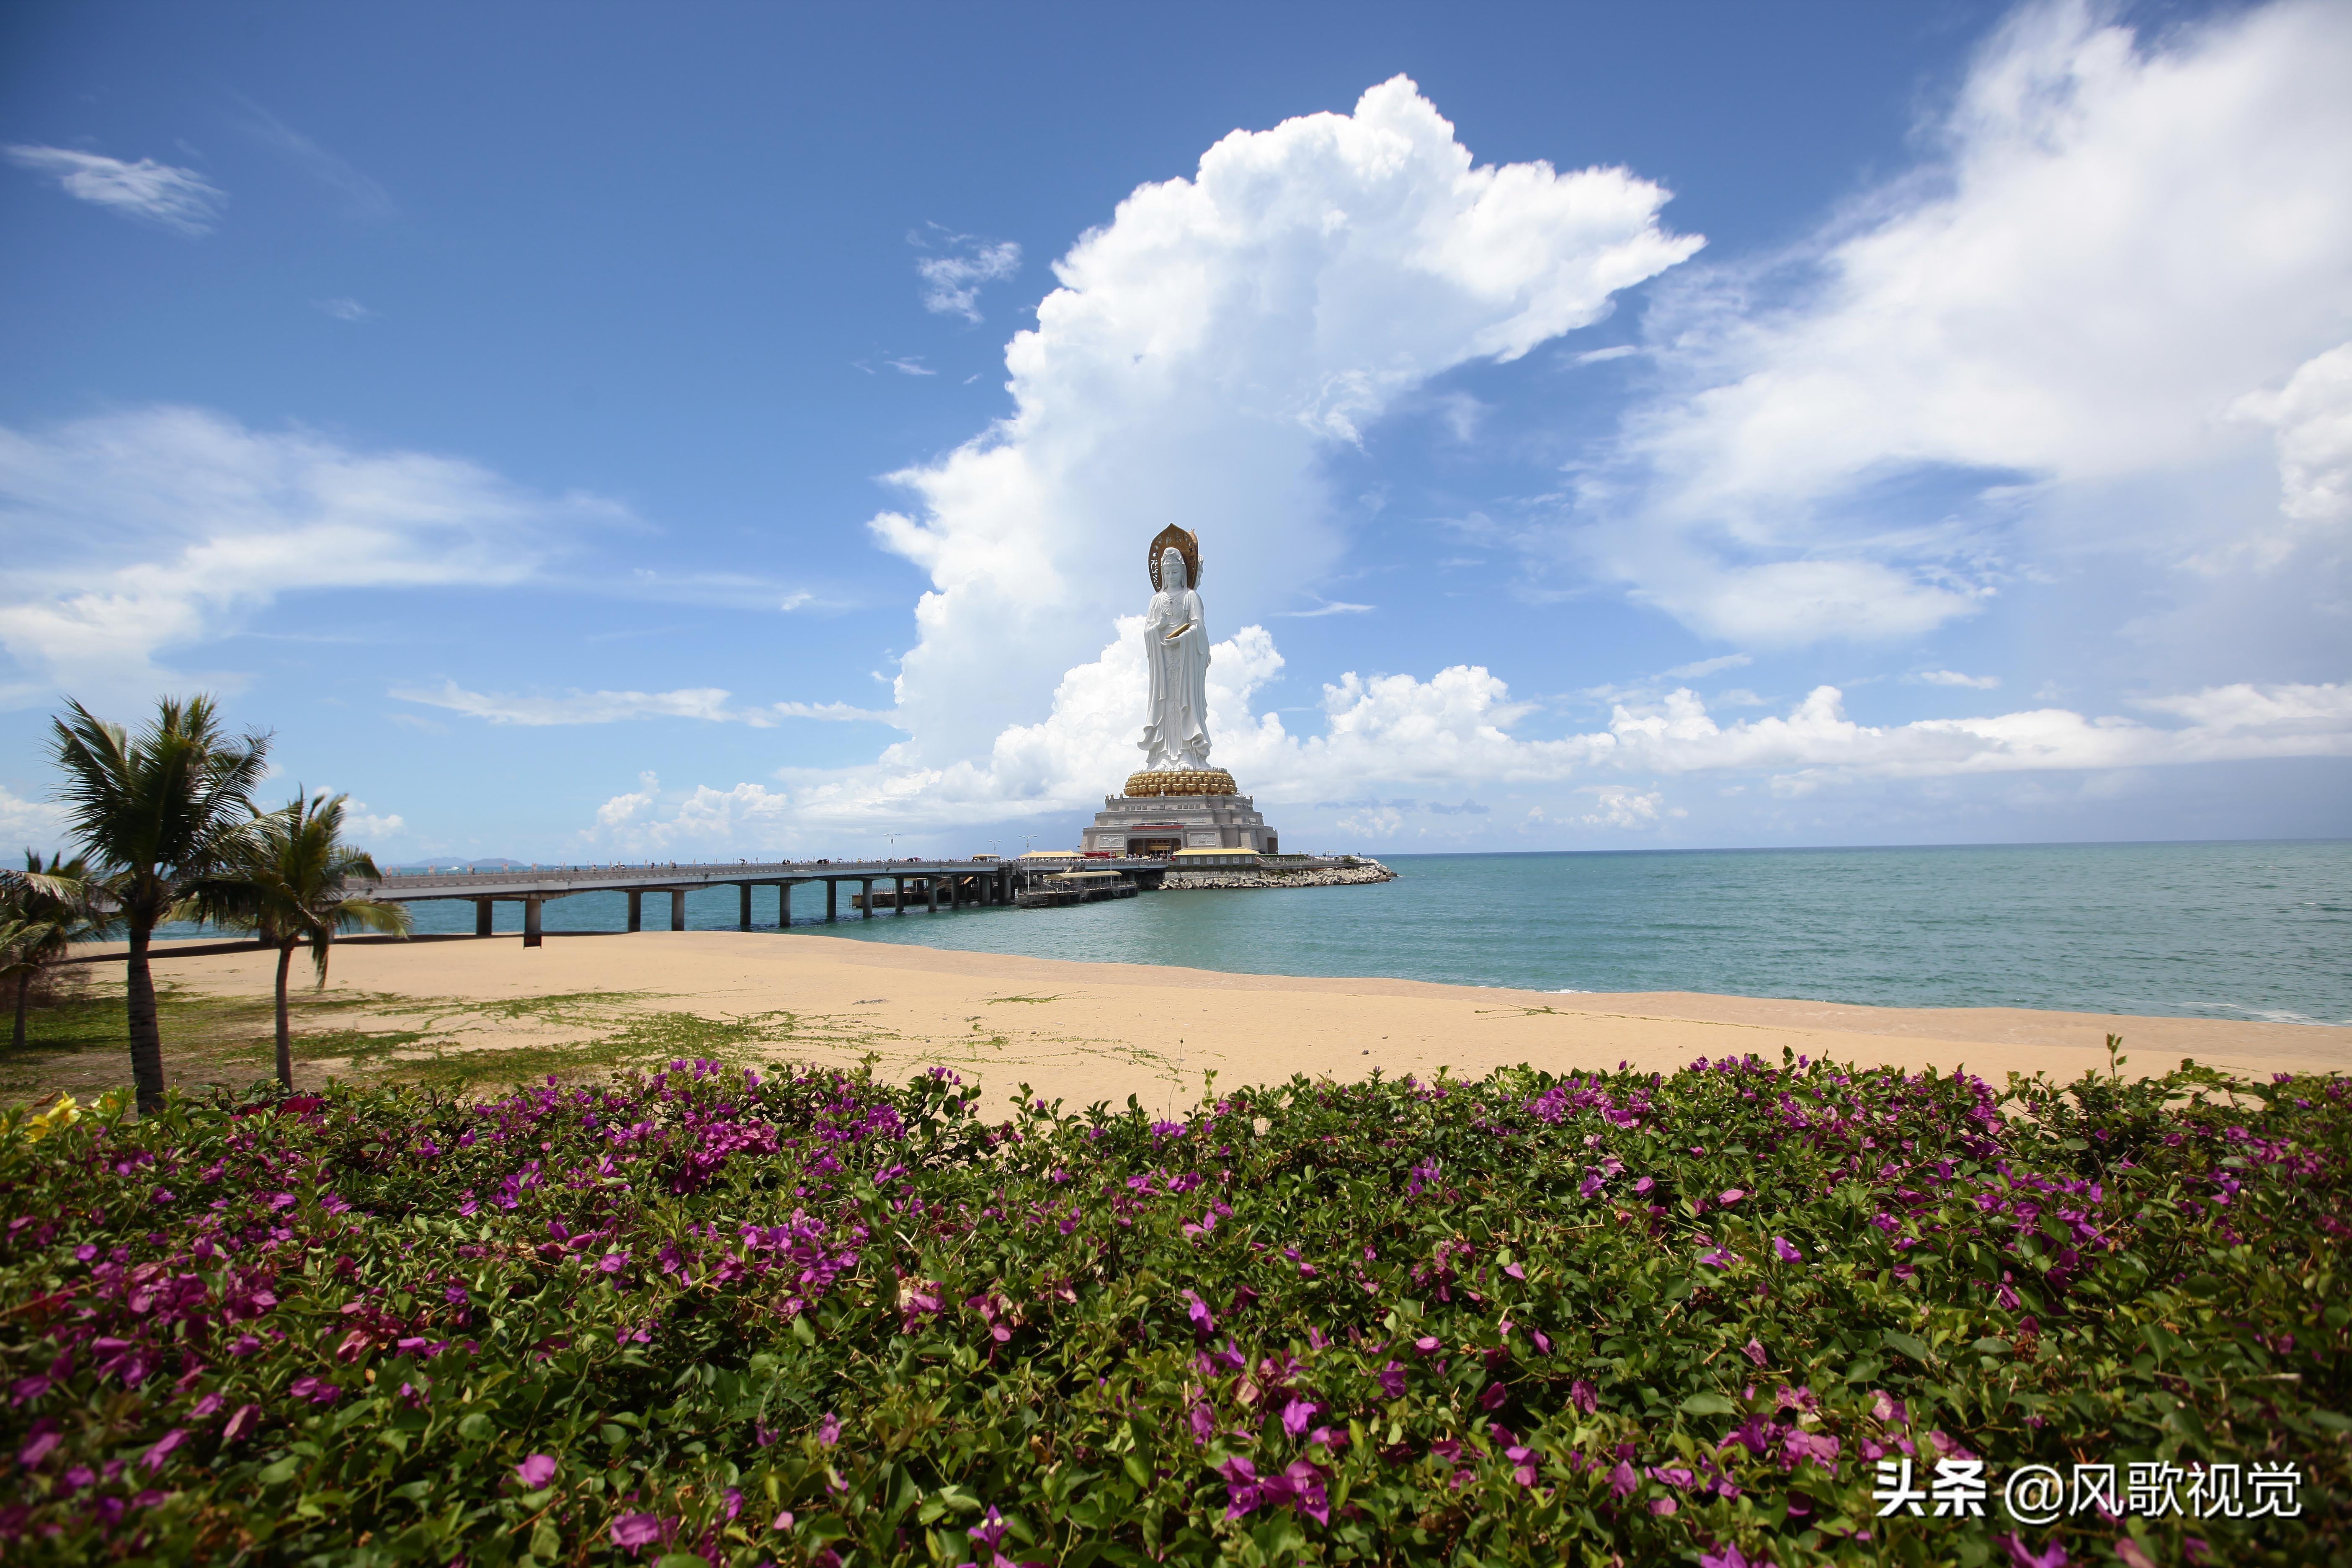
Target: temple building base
[[1157, 822]]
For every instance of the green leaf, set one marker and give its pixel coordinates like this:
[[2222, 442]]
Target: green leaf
[[1708, 1405], [1896, 1340]]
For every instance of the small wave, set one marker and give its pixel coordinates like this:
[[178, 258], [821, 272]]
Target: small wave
[[2278, 1015]]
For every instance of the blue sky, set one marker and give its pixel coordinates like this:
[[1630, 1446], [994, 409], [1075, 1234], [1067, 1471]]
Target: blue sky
[[585, 431]]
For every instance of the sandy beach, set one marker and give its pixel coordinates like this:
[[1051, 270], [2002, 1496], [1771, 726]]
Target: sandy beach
[[1088, 1032]]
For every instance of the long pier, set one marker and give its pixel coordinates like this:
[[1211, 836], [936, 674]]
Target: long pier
[[938, 884]]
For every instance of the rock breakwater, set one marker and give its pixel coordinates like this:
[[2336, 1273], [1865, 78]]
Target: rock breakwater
[[1308, 877]]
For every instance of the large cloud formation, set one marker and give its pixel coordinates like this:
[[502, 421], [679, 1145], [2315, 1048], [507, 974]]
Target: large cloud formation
[[1204, 348], [2122, 266], [2116, 252]]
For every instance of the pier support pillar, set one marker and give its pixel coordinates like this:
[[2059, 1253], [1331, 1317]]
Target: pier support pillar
[[866, 911], [832, 900], [785, 906], [744, 921], [931, 893], [482, 917], [636, 911], [531, 935], [899, 895], [678, 910]]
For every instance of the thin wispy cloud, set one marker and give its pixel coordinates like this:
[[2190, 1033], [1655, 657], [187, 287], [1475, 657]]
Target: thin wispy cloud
[[711, 704], [953, 280], [912, 365], [162, 194], [1329, 607], [344, 308], [1954, 678], [362, 197], [1705, 667], [144, 531]]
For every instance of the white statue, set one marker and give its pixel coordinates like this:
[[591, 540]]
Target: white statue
[[1176, 725]]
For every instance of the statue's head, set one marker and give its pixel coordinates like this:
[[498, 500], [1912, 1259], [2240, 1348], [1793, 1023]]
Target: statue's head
[[1172, 570]]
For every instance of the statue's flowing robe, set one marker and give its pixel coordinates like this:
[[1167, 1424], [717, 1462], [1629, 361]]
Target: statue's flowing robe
[[1176, 727]]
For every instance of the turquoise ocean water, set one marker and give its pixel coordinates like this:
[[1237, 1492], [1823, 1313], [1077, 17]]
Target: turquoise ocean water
[[2256, 931]]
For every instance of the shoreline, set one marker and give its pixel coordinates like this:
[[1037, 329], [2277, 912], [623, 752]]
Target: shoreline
[[1083, 1032]]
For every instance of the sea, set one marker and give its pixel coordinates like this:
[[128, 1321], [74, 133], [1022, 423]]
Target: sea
[[2243, 930]]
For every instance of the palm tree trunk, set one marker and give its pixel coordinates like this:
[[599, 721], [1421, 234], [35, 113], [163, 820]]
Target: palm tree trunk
[[285, 1038], [146, 1035]]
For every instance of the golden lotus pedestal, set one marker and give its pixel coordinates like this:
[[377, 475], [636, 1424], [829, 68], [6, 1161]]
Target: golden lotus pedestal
[[1164, 812], [1186, 781]]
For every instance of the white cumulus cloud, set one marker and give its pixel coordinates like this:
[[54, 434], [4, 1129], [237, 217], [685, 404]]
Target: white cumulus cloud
[[178, 199], [2118, 240], [2312, 418], [1204, 351], [30, 824], [1617, 805], [643, 822]]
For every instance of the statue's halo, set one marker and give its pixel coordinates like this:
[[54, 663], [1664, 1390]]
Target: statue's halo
[[1187, 546]]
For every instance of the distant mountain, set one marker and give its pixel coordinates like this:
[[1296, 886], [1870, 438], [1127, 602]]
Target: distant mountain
[[423, 865]]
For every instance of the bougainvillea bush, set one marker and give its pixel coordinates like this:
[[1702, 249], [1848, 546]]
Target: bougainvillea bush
[[711, 1316]]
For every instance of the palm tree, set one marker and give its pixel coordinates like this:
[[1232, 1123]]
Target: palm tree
[[291, 883], [157, 814], [46, 909]]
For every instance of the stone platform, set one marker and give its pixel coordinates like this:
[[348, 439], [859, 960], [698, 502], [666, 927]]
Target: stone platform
[[1164, 824]]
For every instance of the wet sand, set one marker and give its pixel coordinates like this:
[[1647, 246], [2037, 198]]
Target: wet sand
[[1088, 1032]]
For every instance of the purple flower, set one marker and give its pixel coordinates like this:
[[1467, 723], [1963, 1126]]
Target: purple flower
[[1584, 1396], [635, 1530], [783, 1521], [38, 1446], [990, 1531], [2024, 1556], [1785, 1251], [614, 1262], [1297, 1415], [1756, 1353], [828, 1431], [536, 1472], [1429, 1345], [162, 1450], [247, 1418], [1392, 1380], [1728, 1557], [1731, 1194], [1197, 1309], [1241, 1489], [1622, 1480]]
